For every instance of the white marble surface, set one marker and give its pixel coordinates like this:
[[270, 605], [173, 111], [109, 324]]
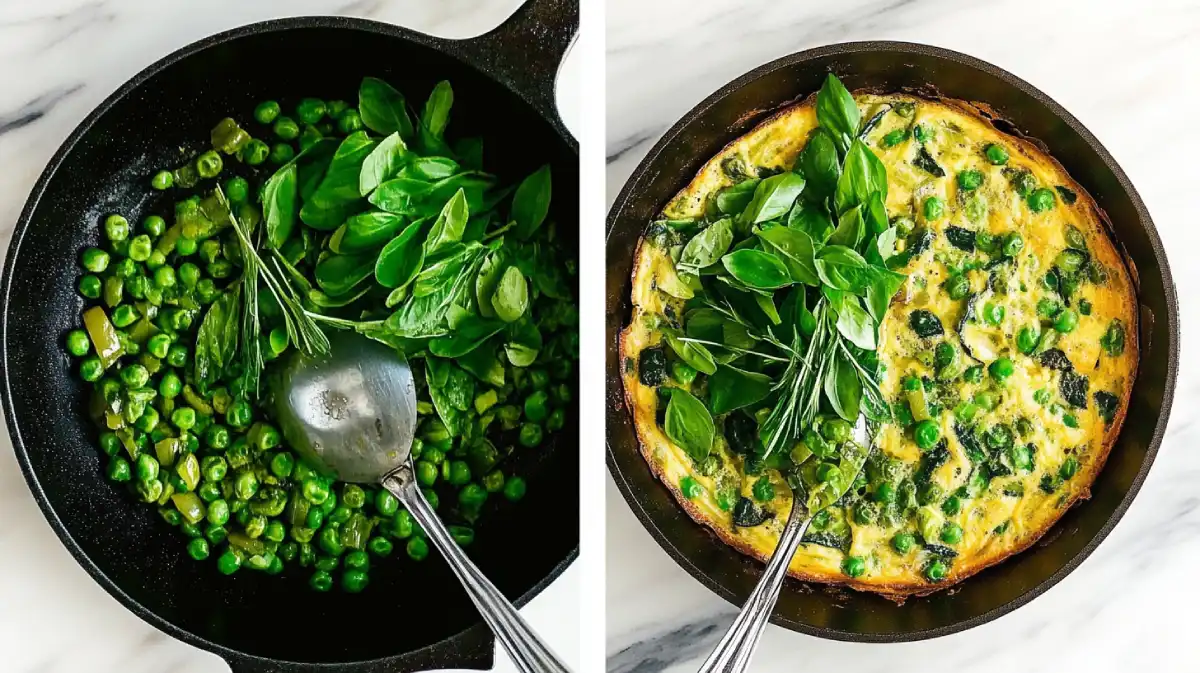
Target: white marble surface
[[58, 59], [1127, 70]]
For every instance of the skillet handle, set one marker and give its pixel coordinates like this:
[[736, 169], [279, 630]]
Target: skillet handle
[[473, 649], [524, 53]]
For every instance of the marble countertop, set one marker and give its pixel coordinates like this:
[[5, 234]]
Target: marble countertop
[[58, 60], [1124, 72]]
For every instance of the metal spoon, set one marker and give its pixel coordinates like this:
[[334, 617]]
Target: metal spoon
[[353, 413], [733, 653]]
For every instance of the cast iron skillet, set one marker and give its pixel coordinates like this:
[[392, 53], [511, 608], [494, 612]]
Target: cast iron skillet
[[891, 66], [504, 89]]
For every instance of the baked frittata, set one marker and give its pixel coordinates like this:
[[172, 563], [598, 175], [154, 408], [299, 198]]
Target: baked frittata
[[1005, 358]]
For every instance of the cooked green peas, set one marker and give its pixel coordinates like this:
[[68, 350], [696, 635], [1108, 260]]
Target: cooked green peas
[[158, 345], [286, 128], [266, 112], [255, 152], [349, 121], [456, 472], [353, 496], [417, 549], [162, 180], [116, 228], [885, 493], [94, 260], [1027, 340], [140, 248], [134, 376], [854, 566], [198, 549], [155, 260], [78, 343], [218, 512], [282, 464], [237, 189], [1002, 369], [903, 542], [957, 286], [1013, 244], [933, 208], [996, 154], [321, 581], [556, 421], [315, 492], [118, 469], [535, 406], [1040, 200], [969, 180], [209, 164], [164, 277], [1066, 321], [90, 287], [386, 503], [154, 226], [937, 571], [245, 486], [993, 314], [427, 473], [330, 541], [229, 562], [380, 546], [926, 434], [184, 418], [951, 533], [170, 385], [354, 581], [531, 435], [282, 153], [310, 110], [239, 415]]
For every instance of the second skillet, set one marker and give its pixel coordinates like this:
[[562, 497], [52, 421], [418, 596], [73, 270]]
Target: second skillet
[[1016, 107], [414, 617]]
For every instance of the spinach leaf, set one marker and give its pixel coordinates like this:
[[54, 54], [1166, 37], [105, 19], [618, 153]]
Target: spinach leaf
[[487, 280], [757, 269], [469, 334], [279, 205], [812, 219], [856, 324], [451, 389], [796, 250], [689, 424], [531, 202], [842, 269], [836, 111], [842, 387], [734, 199], [382, 164], [524, 343], [436, 114], [773, 197], [925, 161], [850, 230], [364, 232], [382, 108], [484, 365], [731, 388], [862, 175], [821, 166], [338, 274], [449, 226], [706, 247], [401, 259], [694, 354], [511, 298]]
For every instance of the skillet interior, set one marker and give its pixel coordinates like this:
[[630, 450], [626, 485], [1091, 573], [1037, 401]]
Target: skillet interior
[[138, 558], [890, 67]]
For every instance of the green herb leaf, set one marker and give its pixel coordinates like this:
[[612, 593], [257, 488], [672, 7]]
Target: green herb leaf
[[468, 335], [797, 251], [731, 388], [279, 205], [757, 269], [436, 114], [487, 280], [842, 269], [431, 169], [882, 286], [449, 226], [856, 324], [876, 213], [524, 343], [734, 199], [382, 108], [821, 166], [850, 230], [531, 202], [773, 197], [689, 424], [382, 164], [341, 181], [694, 354], [216, 340], [339, 274], [706, 247], [364, 232], [862, 175], [484, 365], [836, 110], [452, 390], [811, 219], [842, 387], [400, 260], [511, 298]]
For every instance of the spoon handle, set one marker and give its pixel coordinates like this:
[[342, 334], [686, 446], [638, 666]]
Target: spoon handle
[[732, 654], [526, 649]]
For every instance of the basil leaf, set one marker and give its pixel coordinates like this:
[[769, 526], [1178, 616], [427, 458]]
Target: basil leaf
[[436, 114], [766, 304], [449, 226], [468, 335], [279, 205], [842, 387], [707, 247], [856, 324], [431, 169], [531, 202], [326, 216], [424, 315], [401, 259], [364, 232], [850, 230], [484, 365], [797, 251], [811, 219], [757, 269], [862, 175], [341, 181], [382, 164], [338, 274], [694, 354], [214, 347], [773, 197], [842, 268], [487, 280], [511, 298], [470, 153], [875, 214], [689, 424], [731, 388], [882, 287], [382, 108], [451, 390], [524, 344], [836, 110], [734, 199], [821, 166], [322, 300], [443, 268], [708, 324], [882, 248]]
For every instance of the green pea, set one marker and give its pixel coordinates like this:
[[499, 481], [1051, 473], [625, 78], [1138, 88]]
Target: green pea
[[330, 541], [90, 286], [220, 269], [357, 560], [417, 549], [854, 566], [206, 290], [155, 260], [993, 314], [282, 153], [229, 563], [309, 136], [255, 152], [310, 110], [386, 503], [246, 485], [78, 343], [321, 581], [282, 464], [215, 534], [266, 112], [1027, 340], [327, 563], [148, 420], [401, 525], [184, 418], [1001, 369], [835, 430], [124, 316], [380, 546], [951, 533], [952, 505], [531, 435], [314, 518], [186, 247], [885, 493], [933, 208], [237, 190], [969, 180], [427, 473], [134, 376], [169, 386], [110, 443], [763, 490], [239, 415], [209, 164], [164, 277], [158, 345], [118, 469], [535, 406], [937, 571], [140, 248], [198, 549], [154, 226], [349, 121], [472, 496], [353, 496], [1070, 421], [162, 180], [1013, 244], [556, 421], [456, 472], [1048, 308], [1085, 307], [209, 491], [1066, 321], [286, 128], [903, 542], [315, 492], [927, 434], [957, 286], [1040, 200], [996, 154]]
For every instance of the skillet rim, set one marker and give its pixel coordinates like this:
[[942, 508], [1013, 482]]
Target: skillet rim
[[617, 411], [434, 653]]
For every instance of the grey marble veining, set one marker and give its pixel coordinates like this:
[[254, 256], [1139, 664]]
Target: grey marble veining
[[58, 60], [1125, 70]]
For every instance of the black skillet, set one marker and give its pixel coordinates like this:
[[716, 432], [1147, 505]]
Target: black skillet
[[1019, 108], [414, 616]]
